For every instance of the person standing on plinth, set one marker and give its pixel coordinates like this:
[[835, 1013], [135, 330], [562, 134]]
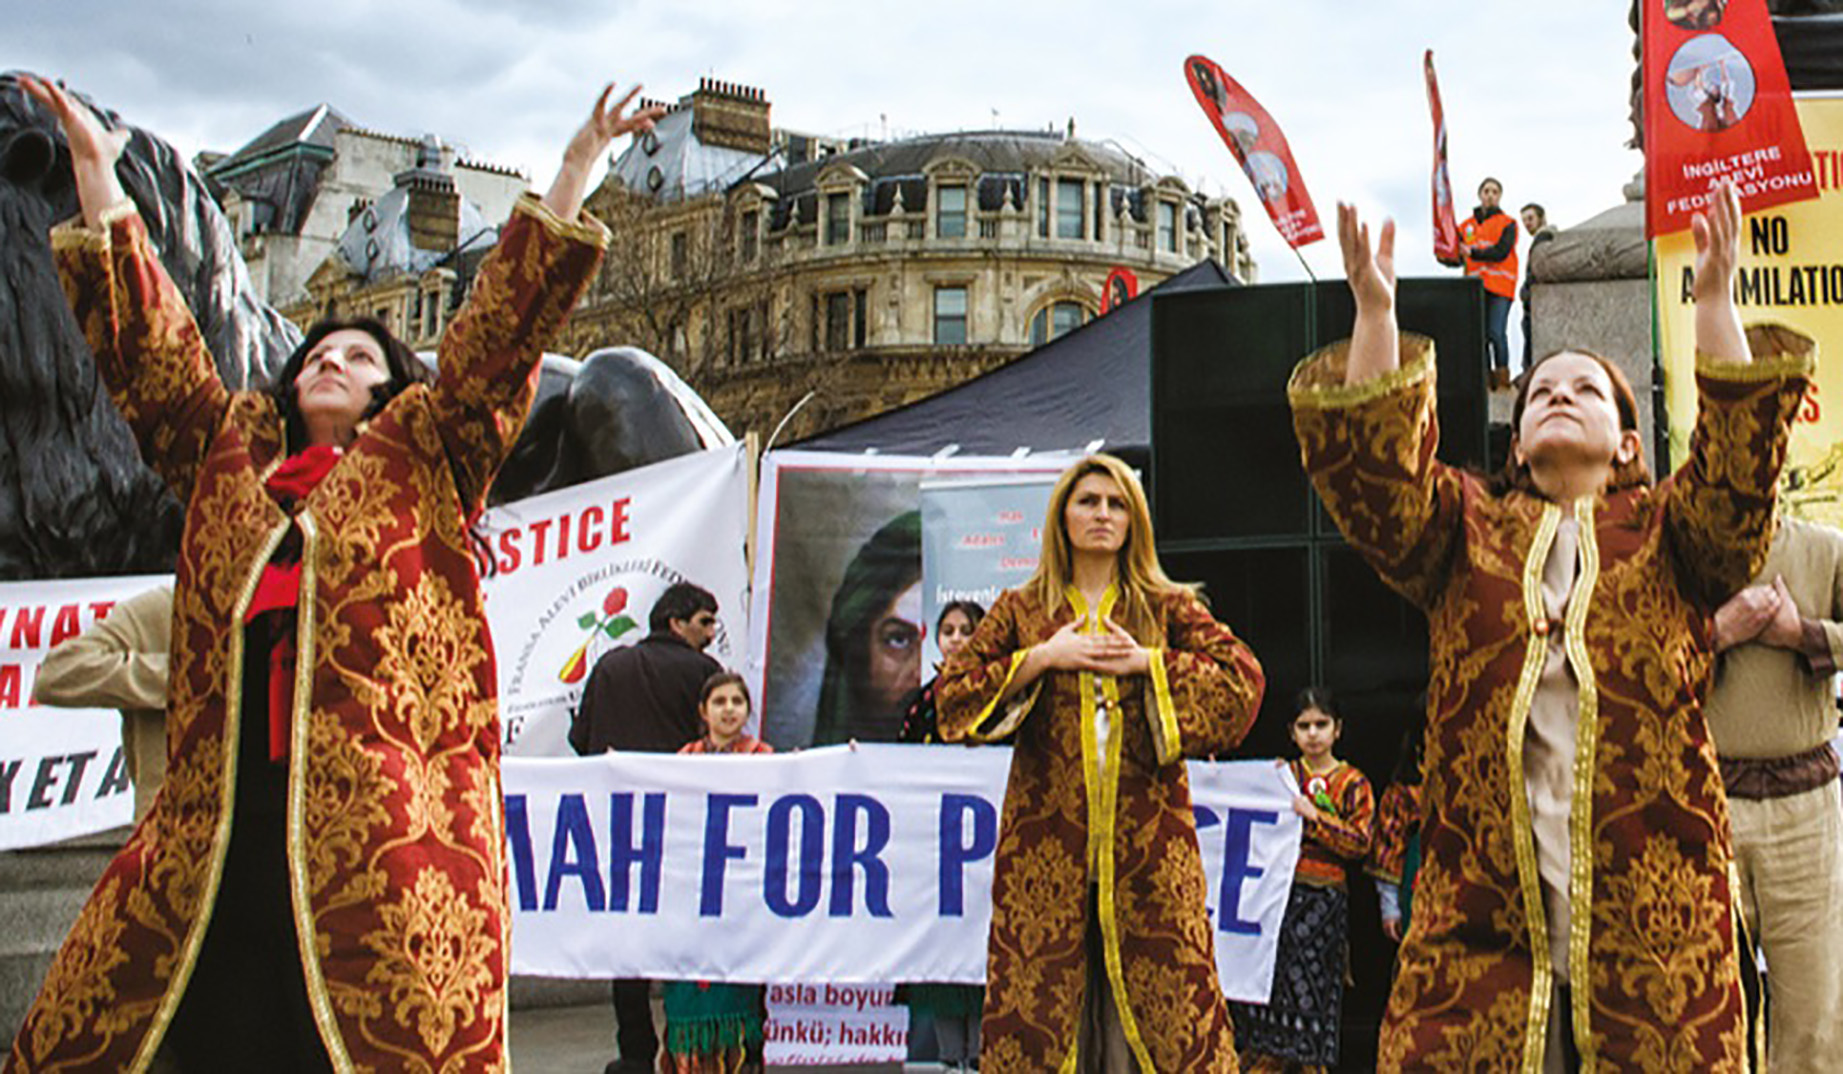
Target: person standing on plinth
[[643, 698], [1773, 712], [1489, 237]]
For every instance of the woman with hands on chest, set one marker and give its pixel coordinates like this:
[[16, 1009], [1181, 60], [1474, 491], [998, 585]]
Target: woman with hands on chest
[[1109, 674]]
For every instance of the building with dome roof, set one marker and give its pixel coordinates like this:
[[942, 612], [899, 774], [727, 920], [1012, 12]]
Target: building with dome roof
[[765, 264]]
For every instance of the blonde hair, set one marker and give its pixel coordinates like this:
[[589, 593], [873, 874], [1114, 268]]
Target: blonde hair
[[1137, 575]]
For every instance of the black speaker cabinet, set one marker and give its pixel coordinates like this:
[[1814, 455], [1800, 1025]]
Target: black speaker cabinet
[[1234, 511]]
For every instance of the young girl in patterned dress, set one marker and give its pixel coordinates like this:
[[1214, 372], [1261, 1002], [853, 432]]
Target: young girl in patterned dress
[[1298, 1027], [716, 1028]]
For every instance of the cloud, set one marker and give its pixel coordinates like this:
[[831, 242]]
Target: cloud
[[1539, 102]]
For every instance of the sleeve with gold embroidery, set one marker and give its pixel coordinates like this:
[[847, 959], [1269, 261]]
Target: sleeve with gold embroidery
[[1397, 818], [969, 694], [490, 354], [1719, 503], [1347, 831], [148, 348], [1204, 686], [1369, 450]]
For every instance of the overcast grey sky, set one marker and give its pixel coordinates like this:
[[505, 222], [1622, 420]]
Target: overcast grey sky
[[1535, 94]]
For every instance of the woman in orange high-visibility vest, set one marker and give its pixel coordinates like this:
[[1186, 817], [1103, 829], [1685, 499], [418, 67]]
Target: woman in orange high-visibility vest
[[1490, 239]]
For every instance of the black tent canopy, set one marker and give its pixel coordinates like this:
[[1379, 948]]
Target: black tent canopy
[[1093, 383]]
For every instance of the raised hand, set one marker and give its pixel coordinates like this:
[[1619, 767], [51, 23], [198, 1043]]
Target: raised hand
[[590, 141], [1371, 272], [1718, 251], [1718, 243], [94, 148], [1375, 347]]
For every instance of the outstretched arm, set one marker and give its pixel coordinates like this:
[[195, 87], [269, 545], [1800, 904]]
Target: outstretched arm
[[147, 346], [545, 257]]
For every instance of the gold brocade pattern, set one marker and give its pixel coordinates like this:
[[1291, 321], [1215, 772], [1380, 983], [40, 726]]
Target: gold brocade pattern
[[1037, 961], [1653, 961], [396, 836]]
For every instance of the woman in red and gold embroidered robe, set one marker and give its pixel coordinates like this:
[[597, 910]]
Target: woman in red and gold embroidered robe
[[320, 883], [1573, 903], [1110, 674]]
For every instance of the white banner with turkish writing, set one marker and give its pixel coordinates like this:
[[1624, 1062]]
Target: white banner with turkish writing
[[849, 865], [577, 572], [62, 773]]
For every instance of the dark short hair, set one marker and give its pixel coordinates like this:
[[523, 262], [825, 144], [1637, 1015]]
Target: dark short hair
[[1490, 179], [681, 600], [1540, 211], [969, 608], [400, 361], [1316, 697], [724, 678]]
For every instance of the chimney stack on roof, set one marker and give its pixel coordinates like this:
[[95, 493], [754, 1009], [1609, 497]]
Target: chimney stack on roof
[[730, 115]]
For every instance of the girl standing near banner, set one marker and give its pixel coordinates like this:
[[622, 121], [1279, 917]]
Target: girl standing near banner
[[321, 881], [1396, 855], [953, 1008], [1573, 904], [1300, 1021], [1110, 674], [716, 1028]]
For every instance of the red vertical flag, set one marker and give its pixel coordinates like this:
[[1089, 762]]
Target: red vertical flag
[[1445, 229], [1260, 148], [1717, 106]]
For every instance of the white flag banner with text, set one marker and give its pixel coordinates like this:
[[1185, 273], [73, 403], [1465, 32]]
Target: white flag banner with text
[[578, 570], [62, 773], [846, 865]]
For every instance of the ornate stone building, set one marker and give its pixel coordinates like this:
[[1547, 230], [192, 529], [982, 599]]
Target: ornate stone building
[[293, 192], [766, 265]]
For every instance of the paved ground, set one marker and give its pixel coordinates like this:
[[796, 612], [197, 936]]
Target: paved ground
[[580, 1040]]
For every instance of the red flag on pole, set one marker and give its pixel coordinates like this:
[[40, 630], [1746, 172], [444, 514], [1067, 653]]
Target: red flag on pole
[[1717, 106], [1260, 148], [1445, 229]]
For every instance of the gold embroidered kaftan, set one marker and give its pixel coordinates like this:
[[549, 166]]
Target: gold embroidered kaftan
[[1117, 819], [395, 836], [1651, 949]]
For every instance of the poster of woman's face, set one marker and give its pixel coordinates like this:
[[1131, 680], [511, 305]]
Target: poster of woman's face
[[845, 630]]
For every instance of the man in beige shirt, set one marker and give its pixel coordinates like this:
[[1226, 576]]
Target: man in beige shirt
[[121, 663], [1773, 713]]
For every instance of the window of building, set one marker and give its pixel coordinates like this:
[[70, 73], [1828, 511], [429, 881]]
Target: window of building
[[1056, 320], [950, 212], [1100, 211], [1167, 226], [681, 254], [950, 315], [838, 321], [1069, 208], [431, 310], [838, 219], [1043, 208], [749, 232]]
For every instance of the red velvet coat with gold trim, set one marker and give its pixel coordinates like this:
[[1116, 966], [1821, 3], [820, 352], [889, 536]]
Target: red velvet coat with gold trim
[[1118, 819], [395, 843], [1651, 955]]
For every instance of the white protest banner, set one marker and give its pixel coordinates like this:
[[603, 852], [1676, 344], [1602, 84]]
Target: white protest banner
[[837, 618], [845, 865], [62, 773], [578, 570], [827, 1024]]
